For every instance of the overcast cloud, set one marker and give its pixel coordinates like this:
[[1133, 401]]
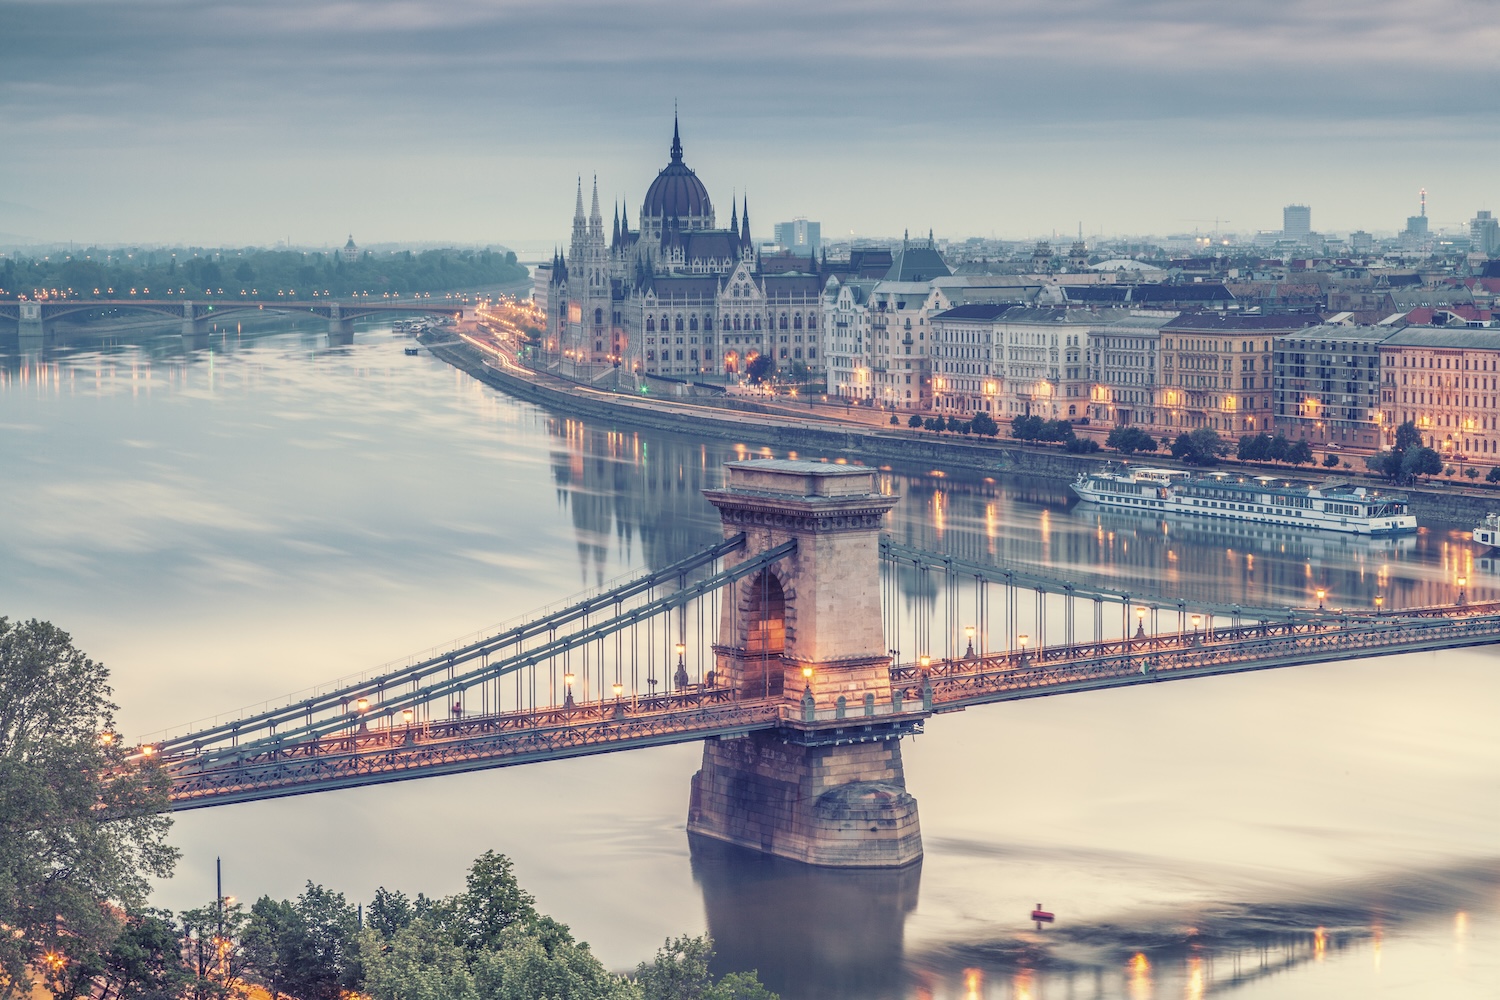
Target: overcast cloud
[[220, 121]]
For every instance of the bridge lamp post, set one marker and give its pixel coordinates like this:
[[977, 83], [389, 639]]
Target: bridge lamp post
[[969, 634], [568, 679], [1321, 594], [680, 678], [361, 708], [1140, 623], [1022, 640], [1197, 622], [1379, 601], [1462, 598]]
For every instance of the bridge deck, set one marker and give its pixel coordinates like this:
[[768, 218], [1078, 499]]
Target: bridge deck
[[382, 753]]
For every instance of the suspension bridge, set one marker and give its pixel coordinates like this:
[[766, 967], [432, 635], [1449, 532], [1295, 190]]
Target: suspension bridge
[[800, 650], [34, 316]]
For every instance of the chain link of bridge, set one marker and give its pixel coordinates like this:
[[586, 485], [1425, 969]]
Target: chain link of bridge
[[799, 650]]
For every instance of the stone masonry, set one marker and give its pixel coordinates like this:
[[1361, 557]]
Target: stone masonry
[[808, 629]]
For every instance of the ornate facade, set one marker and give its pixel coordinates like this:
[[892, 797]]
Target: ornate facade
[[676, 296]]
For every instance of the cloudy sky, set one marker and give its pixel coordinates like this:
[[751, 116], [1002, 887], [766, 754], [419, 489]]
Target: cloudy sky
[[249, 121]]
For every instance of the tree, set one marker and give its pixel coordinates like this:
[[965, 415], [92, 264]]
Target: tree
[[1493, 476], [985, 424], [1129, 440], [84, 828], [1081, 446], [956, 425], [1300, 453], [492, 901], [1253, 448], [388, 912], [1026, 428], [760, 368], [1472, 472], [1279, 449], [935, 424], [1330, 461], [680, 972], [1201, 447], [1401, 463]]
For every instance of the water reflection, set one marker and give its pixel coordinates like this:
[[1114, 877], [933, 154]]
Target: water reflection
[[811, 932], [366, 504]]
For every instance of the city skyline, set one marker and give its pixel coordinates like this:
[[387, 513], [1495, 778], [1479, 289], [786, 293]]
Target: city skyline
[[471, 123]]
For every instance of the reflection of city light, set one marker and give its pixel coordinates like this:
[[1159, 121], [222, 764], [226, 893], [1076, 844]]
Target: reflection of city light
[[1460, 928], [1320, 943], [973, 979], [1379, 938], [1021, 985], [1140, 977], [1195, 979]]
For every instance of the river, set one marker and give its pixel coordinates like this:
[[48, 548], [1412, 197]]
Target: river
[[225, 522]]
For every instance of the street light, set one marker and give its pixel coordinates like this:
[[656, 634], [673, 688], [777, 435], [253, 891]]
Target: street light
[[1379, 600], [1321, 594], [1197, 622], [926, 662], [969, 634], [1462, 582], [1022, 640], [568, 679], [1140, 623]]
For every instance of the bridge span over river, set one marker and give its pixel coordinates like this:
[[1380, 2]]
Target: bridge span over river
[[35, 317], [791, 651]]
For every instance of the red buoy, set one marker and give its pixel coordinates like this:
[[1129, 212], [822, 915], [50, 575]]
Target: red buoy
[[1042, 916]]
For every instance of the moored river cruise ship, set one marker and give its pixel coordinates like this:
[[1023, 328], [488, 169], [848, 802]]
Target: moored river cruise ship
[[1342, 507]]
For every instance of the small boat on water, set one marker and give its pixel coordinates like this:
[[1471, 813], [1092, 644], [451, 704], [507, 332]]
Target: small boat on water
[[1487, 532], [410, 352], [1335, 506]]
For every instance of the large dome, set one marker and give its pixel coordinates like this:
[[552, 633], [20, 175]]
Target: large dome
[[677, 193]]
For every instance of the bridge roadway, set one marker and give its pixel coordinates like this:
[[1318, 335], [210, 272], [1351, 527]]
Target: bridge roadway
[[377, 753]]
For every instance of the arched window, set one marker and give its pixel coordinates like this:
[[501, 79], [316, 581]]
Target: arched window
[[797, 322], [650, 324], [598, 317], [783, 321], [666, 323], [679, 324], [708, 322], [693, 323], [757, 321], [736, 322], [812, 322]]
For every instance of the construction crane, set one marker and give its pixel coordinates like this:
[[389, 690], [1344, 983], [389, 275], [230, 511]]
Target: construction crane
[[1216, 221]]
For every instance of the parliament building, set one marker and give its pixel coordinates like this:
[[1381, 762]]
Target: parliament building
[[677, 296]]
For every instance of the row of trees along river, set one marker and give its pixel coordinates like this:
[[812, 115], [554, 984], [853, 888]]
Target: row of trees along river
[[249, 273], [74, 889]]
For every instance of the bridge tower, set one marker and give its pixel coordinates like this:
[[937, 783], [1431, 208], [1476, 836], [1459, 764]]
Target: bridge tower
[[827, 787]]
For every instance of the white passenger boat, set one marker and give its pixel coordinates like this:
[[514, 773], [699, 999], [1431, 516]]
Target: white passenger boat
[[1356, 510], [1487, 532]]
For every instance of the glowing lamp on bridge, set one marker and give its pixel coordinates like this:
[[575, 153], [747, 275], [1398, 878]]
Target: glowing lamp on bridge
[[1321, 594], [1379, 601], [1463, 581], [568, 680], [362, 706], [1140, 623], [969, 634], [925, 661], [407, 715]]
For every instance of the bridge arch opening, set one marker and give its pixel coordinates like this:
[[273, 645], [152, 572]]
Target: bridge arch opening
[[765, 616]]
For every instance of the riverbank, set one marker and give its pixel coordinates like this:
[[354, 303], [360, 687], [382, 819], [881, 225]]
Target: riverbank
[[911, 450]]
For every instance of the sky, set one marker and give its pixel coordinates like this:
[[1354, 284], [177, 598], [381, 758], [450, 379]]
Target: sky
[[245, 122]]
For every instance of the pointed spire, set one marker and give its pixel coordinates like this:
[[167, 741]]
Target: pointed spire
[[625, 218], [614, 240], [578, 205], [930, 241], [676, 139], [594, 212], [734, 217], [745, 223]]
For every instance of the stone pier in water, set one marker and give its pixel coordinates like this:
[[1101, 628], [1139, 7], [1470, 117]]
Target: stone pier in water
[[827, 787]]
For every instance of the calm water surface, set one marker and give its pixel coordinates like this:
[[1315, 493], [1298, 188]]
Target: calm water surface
[[228, 521]]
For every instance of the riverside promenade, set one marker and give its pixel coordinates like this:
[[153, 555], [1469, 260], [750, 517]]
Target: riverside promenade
[[863, 436]]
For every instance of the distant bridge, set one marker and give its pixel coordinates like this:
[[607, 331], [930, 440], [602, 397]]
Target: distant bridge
[[197, 316], [772, 647]]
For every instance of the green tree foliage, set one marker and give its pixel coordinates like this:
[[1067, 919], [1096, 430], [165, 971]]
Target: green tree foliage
[[1299, 453], [1080, 446], [985, 425], [1129, 440], [143, 963], [306, 949], [1330, 461], [761, 368], [1036, 429], [1493, 476], [680, 972], [66, 874], [935, 424], [1201, 447], [1408, 459]]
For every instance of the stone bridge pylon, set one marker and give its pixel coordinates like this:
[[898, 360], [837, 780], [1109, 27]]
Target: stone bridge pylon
[[826, 787]]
